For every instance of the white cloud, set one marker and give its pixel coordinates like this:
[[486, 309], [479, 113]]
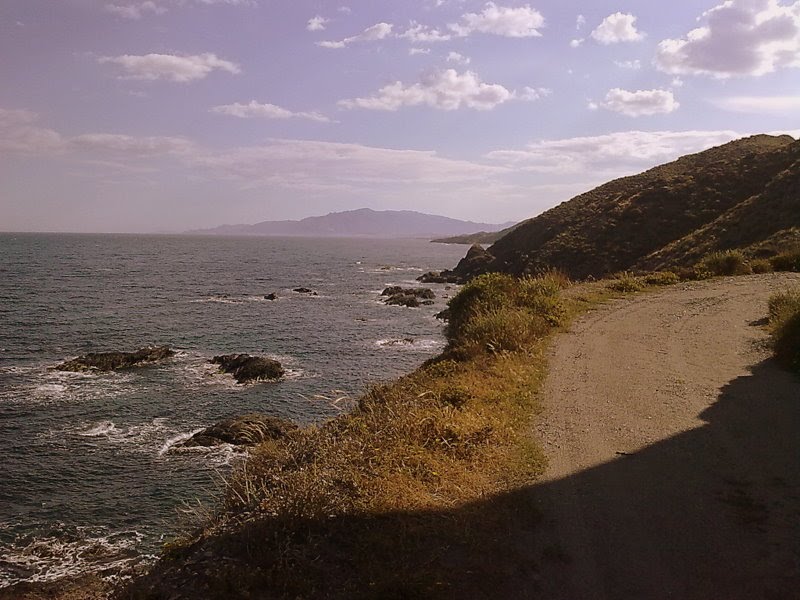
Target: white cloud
[[612, 154], [616, 28], [20, 134], [127, 145], [170, 67], [530, 94], [580, 22], [633, 65], [255, 109], [416, 51], [774, 105], [135, 11], [422, 34], [640, 103], [444, 90], [576, 43], [317, 23], [376, 32], [501, 20], [456, 57], [739, 38]]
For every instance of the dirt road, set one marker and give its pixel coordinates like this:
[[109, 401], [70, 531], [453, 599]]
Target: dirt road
[[674, 448]]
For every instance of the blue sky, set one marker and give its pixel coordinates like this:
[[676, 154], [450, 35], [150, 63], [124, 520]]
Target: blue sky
[[164, 115]]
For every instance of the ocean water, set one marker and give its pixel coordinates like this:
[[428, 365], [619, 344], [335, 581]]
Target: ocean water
[[88, 479]]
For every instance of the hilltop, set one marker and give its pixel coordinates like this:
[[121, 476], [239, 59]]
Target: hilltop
[[744, 194], [362, 222]]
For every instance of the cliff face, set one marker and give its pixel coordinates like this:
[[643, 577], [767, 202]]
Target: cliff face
[[735, 195]]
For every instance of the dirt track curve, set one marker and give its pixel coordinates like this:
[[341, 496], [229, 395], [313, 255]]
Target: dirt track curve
[[674, 449]]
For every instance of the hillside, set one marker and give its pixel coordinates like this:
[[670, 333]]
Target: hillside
[[361, 222], [482, 237], [744, 193]]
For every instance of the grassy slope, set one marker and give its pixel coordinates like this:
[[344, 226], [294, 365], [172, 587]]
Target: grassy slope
[[410, 493], [614, 226]]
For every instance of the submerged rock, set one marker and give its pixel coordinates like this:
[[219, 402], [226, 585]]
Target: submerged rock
[[246, 368], [305, 290], [272, 296], [248, 430], [410, 297], [439, 277], [112, 361]]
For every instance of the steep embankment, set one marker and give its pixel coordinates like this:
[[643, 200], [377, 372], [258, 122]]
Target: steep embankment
[[710, 200], [673, 450]]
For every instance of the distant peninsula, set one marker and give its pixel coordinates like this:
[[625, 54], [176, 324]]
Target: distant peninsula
[[363, 222]]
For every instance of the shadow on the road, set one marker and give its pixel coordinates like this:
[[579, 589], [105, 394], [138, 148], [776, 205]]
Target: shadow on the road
[[712, 513]]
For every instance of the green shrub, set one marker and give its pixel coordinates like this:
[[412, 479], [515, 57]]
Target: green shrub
[[761, 265], [728, 262], [508, 311], [661, 278], [625, 282], [784, 320], [786, 261]]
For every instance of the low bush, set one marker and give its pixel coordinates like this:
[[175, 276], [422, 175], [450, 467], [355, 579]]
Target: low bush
[[727, 262], [761, 265], [661, 278], [784, 321], [625, 282], [786, 261]]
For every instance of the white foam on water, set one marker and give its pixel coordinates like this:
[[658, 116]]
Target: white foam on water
[[222, 455], [101, 429], [412, 344], [49, 558]]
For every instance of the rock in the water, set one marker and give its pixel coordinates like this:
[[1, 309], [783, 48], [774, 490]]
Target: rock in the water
[[246, 368], [305, 290], [272, 296], [410, 297], [439, 277], [112, 361], [248, 430]]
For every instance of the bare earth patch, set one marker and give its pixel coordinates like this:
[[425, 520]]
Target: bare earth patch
[[674, 451]]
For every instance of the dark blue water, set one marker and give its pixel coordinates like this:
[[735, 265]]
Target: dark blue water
[[88, 480]]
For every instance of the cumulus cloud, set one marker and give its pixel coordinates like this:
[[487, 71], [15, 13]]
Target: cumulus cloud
[[317, 23], [170, 67], [612, 154], [633, 65], [416, 51], [444, 90], [501, 20], [135, 11], [255, 109], [616, 28], [422, 34], [576, 43], [376, 32], [739, 38], [580, 22], [456, 57], [639, 103], [774, 105]]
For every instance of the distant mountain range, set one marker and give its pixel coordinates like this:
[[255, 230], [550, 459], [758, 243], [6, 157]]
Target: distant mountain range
[[744, 194], [362, 222]]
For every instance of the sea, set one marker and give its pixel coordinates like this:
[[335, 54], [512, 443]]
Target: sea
[[90, 480]]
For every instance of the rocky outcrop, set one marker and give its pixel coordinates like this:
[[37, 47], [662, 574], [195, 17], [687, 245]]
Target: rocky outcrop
[[245, 368], [248, 430], [305, 290], [272, 296], [439, 277], [410, 297], [113, 361]]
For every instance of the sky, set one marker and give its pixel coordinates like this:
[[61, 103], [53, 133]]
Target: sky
[[167, 115]]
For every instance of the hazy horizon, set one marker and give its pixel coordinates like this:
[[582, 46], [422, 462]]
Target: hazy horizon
[[161, 116]]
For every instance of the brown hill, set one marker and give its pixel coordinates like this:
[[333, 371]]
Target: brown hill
[[741, 194]]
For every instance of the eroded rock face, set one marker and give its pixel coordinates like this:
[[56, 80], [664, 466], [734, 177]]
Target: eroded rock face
[[112, 361], [410, 297], [248, 430], [245, 368]]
